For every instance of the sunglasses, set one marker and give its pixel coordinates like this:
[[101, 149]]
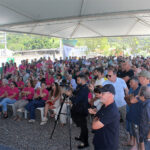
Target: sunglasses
[[109, 76]]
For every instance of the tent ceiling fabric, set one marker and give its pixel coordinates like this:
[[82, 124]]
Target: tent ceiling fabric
[[76, 18]]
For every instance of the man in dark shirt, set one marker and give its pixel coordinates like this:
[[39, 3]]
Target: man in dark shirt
[[128, 73], [145, 119], [106, 123], [133, 112], [79, 110], [121, 70]]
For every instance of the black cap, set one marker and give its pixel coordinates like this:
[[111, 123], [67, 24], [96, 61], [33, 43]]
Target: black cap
[[108, 88]]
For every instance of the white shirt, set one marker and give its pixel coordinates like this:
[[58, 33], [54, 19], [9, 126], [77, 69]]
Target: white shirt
[[38, 85], [99, 82], [98, 104]]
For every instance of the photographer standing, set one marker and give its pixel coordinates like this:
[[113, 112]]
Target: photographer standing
[[79, 110]]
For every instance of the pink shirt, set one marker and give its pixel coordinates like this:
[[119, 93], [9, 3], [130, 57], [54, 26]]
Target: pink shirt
[[20, 84], [46, 75], [49, 62], [11, 69], [13, 91], [0, 83], [39, 65], [22, 67], [90, 96], [49, 81], [31, 90], [2, 91], [43, 91], [6, 88]]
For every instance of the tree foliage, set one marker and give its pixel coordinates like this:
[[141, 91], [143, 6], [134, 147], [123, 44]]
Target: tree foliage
[[117, 45], [30, 42], [104, 46]]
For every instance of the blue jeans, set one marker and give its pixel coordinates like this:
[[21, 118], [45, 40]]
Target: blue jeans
[[147, 145], [31, 106], [6, 101], [129, 127]]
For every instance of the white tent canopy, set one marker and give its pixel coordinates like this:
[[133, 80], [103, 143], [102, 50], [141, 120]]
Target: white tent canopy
[[76, 18]]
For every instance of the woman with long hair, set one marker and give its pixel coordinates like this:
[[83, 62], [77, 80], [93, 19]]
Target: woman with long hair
[[53, 103]]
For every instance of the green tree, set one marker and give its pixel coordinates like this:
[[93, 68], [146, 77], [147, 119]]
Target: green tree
[[31, 42]]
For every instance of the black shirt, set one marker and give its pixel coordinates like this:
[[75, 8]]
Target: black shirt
[[107, 138], [130, 74], [81, 95], [120, 73]]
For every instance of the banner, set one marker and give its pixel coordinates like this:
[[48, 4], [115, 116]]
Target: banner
[[68, 46], [66, 51], [70, 43]]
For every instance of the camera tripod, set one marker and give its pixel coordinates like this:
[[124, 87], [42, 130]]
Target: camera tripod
[[68, 119]]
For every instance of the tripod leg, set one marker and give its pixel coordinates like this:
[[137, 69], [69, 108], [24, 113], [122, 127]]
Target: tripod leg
[[68, 120], [57, 119]]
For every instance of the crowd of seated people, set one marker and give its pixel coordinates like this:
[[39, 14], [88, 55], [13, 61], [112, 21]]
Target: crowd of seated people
[[39, 84]]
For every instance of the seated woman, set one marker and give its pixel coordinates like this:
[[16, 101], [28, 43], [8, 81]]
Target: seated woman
[[26, 96], [20, 83], [53, 103], [4, 87], [49, 81], [40, 97], [12, 95]]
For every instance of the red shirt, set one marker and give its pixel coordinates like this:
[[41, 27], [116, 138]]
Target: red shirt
[[0, 83], [20, 84], [39, 65], [90, 96], [12, 91], [31, 90], [49, 81], [6, 88], [43, 91], [2, 91], [22, 67], [11, 69], [49, 62]]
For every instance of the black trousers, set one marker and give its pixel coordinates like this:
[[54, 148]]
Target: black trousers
[[81, 122]]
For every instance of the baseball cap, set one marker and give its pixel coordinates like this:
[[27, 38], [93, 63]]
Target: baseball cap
[[108, 88], [144, 73]]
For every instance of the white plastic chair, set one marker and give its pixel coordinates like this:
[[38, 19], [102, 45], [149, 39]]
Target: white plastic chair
[[13, 107], [41, 109]]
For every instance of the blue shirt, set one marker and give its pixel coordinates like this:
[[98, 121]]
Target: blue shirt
[[134, 110], [119, 86], [73, 83]]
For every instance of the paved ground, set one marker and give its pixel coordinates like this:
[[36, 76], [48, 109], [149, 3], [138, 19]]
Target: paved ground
[[2, 147], [25, 136]]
